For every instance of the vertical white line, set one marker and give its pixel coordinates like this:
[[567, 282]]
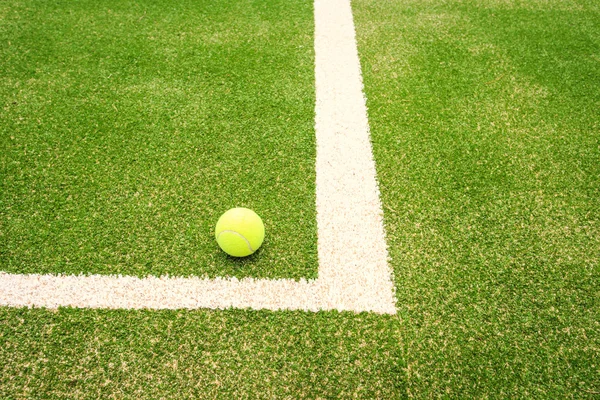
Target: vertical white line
[[352, 251]]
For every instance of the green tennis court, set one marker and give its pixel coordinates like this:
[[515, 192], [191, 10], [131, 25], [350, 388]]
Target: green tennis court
[[127, 128]]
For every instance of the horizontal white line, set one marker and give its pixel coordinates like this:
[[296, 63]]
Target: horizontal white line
[[115, 292]]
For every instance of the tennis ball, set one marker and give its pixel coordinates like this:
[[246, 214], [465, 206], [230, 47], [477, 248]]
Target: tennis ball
[[239, 232]]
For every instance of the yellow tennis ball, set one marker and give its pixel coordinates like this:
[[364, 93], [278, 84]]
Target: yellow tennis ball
[[239, 232]]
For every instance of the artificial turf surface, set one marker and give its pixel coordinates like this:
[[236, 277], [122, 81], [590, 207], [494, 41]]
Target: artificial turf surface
[[485, 125], [230, 354], [128, 128], [485, 131]]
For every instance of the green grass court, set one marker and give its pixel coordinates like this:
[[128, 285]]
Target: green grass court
[[131, 128], [127, 128]]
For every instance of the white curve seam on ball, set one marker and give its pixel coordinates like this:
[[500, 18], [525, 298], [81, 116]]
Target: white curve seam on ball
[[240, 235]]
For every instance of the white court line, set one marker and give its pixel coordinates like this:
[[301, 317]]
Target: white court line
[[353, 271]]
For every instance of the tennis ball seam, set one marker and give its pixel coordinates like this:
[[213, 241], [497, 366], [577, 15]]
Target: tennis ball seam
[[240, 235]]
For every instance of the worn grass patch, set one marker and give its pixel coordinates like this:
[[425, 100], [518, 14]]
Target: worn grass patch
[[484, 118], [126, 129]]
